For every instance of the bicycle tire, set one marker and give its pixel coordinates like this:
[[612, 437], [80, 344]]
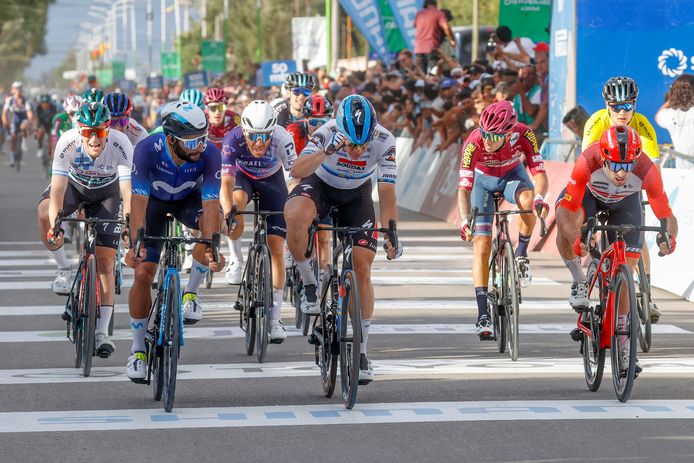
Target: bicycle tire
[[18, 154], [296, 299], [171, 341], [496, 309], [349, 316], [262, 301], [155, 356], [623, 378], [248, 314], [593, 355], [89, 316], [76, 321], [511, 300], [326, 351], [643, 299]]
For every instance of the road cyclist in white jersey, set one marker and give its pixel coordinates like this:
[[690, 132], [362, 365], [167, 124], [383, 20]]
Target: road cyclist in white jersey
[[336, 169], [91, 167], [17, 117], [120, 107]]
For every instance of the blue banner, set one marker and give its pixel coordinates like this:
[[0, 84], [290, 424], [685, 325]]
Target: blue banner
[[367, 17], [561, 88], [652, 44], [404, 12], [195, 79], [155, 82], [274, 72]]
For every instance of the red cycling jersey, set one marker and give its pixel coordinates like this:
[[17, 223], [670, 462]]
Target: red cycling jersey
[[216, 132], [588, 173], [499, 163], [299, 132]]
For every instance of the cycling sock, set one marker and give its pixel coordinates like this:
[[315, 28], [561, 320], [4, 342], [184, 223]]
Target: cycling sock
[[235, 250], [277, 299], [102, 322], [197, 274], [306, 272], [61, 258], [365, 327], [481, 295], [523, 242], [138, 327], [574, 266]]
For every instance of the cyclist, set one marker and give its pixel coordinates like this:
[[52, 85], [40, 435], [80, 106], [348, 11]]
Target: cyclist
[[93, 95], [620, 94], [335, 170], [62, 122], [17, 115], [222, 119], [193, 95], [492, 163], [92, 167], [300, 86], [253, 157], [45, 111], [176, 172], [120, 106]]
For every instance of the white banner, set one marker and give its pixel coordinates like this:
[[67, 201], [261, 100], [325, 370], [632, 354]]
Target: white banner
[[310, 41]]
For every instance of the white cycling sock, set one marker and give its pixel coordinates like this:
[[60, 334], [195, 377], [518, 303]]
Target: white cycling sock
[[197, 275], [235, 250], [574, 266], [277, 299], [138, 327], [365, 327], [306, 272], [61, 258], [105, 312]]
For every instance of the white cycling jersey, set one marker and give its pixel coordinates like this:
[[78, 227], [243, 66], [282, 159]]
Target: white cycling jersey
[[114, 162], [135, 132], [340, 171]]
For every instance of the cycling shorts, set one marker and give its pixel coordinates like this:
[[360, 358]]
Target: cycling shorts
[[98, 203], [16, 123], [355, 207], [273, 194], [484, 187]]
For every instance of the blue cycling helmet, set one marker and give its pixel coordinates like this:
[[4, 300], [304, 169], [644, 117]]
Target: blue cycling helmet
[[195, 96], [119, 104], [356, 119]]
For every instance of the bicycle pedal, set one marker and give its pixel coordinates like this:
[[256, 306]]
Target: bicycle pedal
[[66, 316], [275, 341], [103, 354], [139, 381], [187, 321], [576, 335], [313, 339]]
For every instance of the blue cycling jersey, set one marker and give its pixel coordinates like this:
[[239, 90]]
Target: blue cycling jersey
[[156, 174]]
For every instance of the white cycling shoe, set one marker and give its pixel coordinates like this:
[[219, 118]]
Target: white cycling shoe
[[62, 282], [277, 332], [234, 273], [192, 311], [137, 367]]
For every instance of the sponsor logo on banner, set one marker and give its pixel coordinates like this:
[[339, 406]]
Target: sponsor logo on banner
[[673, 62], [367, 17], [404, 12]]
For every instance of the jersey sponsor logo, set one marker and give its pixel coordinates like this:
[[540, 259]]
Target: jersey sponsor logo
[[306, 187], [120, 148], [159, 145], [390, 176], [515, 136], [644, 131], [362, 242], [537, 158], [466, 173], [530, 136], [465, 183], [350, 164], [390, 154], [568, 197], [160, 185], [218, 175], [467, 155], [318, 139]]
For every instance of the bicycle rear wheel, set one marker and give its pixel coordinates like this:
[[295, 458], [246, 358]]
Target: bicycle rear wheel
[[89, 315], [495, 309], [643, 300], [349, 316], [624, 340], [327, 350], [262, 301], [172, 339], [593, 355], [511, 291]]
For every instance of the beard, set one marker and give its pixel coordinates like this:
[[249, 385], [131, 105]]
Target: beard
[[187, 157]]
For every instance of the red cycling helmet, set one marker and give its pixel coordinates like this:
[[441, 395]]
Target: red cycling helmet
[[215, 95], [620, 144], [498, 118], [318, 106]]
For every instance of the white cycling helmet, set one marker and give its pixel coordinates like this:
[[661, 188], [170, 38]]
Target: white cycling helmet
[[17, 84], [258, 116], [183, 120], [72, 104]]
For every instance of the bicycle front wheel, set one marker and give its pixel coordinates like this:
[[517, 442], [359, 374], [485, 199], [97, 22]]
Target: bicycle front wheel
[[643, 299], [494, 308], [247, 292], [89, 315], [349, 316], [326, 347], [511, 298], [262, 300], [171, 342], [625, 334], [593, 355]]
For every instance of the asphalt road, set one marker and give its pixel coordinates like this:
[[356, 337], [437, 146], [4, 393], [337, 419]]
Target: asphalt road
[[440, 394]]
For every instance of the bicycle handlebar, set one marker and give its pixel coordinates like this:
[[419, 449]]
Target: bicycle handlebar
[[391, 232], [474, 213], [59, 219], [213, 242], [592, 225], [234, 212]]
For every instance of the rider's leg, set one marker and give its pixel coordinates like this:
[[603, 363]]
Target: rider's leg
[[140, 300], [299, 211], [276, 245], [362, 259], [525, 201], [568, 228], [481, 249], [105, 257]]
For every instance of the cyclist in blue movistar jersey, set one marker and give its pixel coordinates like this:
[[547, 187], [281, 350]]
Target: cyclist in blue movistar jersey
[[175, 172]]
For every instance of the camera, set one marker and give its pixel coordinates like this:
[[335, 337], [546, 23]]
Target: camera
[[491, 44]]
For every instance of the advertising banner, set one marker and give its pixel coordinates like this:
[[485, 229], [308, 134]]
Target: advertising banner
[[394, 39], [155, 82], [213, 56], [367, 17], [171, 65], [404, 12], [274, 72], [195, 79], [310, 41], [527, 18], [562, 68]]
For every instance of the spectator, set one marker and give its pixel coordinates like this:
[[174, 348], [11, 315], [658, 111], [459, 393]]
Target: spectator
[[541, 124], [446, 91], [677, 116], [527, 95], [430, 23], [405, 64], [511, 53]]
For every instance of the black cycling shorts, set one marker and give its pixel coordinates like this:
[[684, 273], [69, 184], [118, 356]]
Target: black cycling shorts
[[355, 207], [273, 194]]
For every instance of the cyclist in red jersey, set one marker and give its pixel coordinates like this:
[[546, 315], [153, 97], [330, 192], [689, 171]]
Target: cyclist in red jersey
[[492, 161], [222, 120], [607, 176]]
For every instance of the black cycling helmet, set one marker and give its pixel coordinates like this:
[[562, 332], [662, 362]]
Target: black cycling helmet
[[45, 98], [300, 79], [619, 90], [119, 104]]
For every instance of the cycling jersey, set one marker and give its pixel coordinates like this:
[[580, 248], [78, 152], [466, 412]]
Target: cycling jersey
[[237, 157], [135, 132], [60, 124], [588, 173], [600, 121], [45, 116], [299, 132], [500, 163], [284, 115], [216, 133], [19, 107], [114, 162], [341, 171], [156, 174]]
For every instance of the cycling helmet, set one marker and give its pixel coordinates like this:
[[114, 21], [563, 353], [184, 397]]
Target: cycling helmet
[[93, 114], [45, 98], [93, 95], [498, 117], [258, 116], [119, 104], [182, 119], [318, 106], [72, 104], [620, 144], [193, 95], [215, 95], [17, 84], [300, 79], [356, 119], [620, 89]]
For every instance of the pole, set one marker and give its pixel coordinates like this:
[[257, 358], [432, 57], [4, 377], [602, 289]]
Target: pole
[[349, 37], [203, 16], [186, 17], [259, 38], [225, 28], [177, 21], [150, 18], [133, 37], [335, 39], [163, 24], [329, 33], [475, 28]]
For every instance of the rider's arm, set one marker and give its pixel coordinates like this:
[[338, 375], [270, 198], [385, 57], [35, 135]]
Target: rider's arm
[[55, 201], [387, 176], [658, 200], [534, 159], [140, 187], [388, 202], [312, 156], [211, 184], [576, 188], [125, 167], [226, 192], [138, 208], [466, 176], [286, 147], [228, 173], [649, 140]]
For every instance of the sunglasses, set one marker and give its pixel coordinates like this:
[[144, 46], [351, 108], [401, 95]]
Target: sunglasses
[[622, 106], [88, 132], [262, 136], [301, 91], [316, 121], [491, 136], [216, 107], [194, 143], [617, 166], [119, 122], [357, 147]]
